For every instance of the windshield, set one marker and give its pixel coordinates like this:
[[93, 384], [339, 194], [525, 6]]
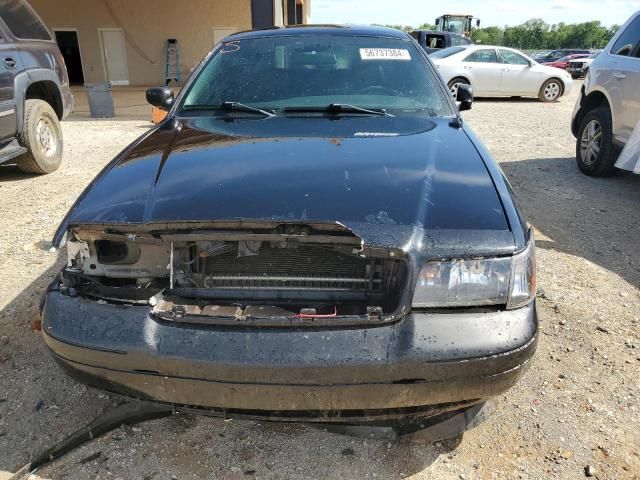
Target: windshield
[[295, 72], [455, 25], [447, 52], [555, 55]]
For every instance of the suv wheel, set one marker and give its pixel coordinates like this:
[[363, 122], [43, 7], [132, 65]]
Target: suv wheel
[[42, 137], [595, 151], [551, 90]]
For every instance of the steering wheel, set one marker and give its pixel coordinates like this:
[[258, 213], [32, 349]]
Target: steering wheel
[[378, 90]]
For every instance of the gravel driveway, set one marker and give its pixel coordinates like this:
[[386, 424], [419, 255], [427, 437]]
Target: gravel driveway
[[577, 406]]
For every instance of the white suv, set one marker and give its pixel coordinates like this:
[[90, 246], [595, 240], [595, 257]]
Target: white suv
[[608, 108]]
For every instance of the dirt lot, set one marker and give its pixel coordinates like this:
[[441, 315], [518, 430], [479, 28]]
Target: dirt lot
[[578, 406]]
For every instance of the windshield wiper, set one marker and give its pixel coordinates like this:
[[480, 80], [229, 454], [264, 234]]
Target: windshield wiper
[[345, 107], [241, 107], [341, 108], [232, 106]]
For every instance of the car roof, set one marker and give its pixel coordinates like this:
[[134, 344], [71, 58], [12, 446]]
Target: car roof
[[474, 47], [482, 46], [342, 30]]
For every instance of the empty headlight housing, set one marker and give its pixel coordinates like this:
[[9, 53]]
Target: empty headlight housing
[[509, 281]]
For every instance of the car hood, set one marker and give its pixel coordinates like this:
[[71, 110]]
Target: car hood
[[368, 173]]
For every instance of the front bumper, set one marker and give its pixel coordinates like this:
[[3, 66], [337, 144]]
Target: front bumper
[[421, 366], [576, 115], [67, 101], [568, 84]]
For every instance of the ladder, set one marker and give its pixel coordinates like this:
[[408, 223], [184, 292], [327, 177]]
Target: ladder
[[172, 64]]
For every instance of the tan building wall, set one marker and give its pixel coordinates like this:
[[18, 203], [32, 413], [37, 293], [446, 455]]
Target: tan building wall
[[146, 25]]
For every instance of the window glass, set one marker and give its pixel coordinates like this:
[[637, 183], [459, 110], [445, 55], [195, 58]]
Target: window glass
[[456, 41], [483, 56], [513, 58], [316, 71], [446, 52], [415, 35], [22, 21], [435, 41], [555, 55], [628, 43]]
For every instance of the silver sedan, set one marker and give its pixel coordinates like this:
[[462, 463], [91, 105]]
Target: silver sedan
[[500, 72]]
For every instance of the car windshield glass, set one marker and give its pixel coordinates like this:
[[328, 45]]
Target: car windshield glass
[[22, 21], [283, 72], [447, 52]]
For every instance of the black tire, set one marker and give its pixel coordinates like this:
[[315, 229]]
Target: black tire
[[555, 86], [42, 137], [453, 82], [589, 163]]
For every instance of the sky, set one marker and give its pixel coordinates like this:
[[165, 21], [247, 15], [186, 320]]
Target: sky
[[490, 12]]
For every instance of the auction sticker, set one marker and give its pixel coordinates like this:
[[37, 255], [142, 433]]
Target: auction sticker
[[384, 54]]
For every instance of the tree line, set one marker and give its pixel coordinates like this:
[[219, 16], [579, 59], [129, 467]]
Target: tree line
[[536, 34]]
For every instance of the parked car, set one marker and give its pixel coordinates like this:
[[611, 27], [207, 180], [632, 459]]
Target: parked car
[[554, 55], [608, 108], [34, 91], [499, 71], [563, 63], [289, 245], [537, 54], [579, 67], [433, 41]]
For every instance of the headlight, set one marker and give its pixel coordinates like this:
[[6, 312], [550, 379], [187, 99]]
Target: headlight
[[509, 281]]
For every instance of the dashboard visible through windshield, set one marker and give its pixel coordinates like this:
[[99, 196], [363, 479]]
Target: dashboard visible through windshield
[[316, 72]]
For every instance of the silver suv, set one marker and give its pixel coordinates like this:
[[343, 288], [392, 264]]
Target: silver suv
[[608, 108]]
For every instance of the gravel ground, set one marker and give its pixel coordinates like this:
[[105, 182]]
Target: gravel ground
[[576, 407]]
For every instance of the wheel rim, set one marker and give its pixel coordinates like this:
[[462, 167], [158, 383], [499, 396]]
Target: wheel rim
[[552, 91], [454, 90], [591, 142], [46, 137]]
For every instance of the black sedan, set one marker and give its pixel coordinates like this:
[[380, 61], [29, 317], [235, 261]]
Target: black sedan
[[313, 234]]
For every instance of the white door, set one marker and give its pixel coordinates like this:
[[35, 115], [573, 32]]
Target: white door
[[518, 75], [114, 56], [484, 71], [219, 33]]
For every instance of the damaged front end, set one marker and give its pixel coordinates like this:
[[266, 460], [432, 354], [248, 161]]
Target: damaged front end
[[239, 273]]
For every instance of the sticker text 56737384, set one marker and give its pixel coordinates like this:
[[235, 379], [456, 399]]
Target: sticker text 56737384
[[384, 54]]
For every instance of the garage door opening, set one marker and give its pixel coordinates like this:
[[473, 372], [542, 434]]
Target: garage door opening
[[69, 45]]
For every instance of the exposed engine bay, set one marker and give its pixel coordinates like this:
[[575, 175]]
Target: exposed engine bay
[[290, 272]]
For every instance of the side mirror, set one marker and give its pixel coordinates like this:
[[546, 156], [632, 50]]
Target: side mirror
[[478, 23], [437, 22], [161, 97], [465, 97]]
